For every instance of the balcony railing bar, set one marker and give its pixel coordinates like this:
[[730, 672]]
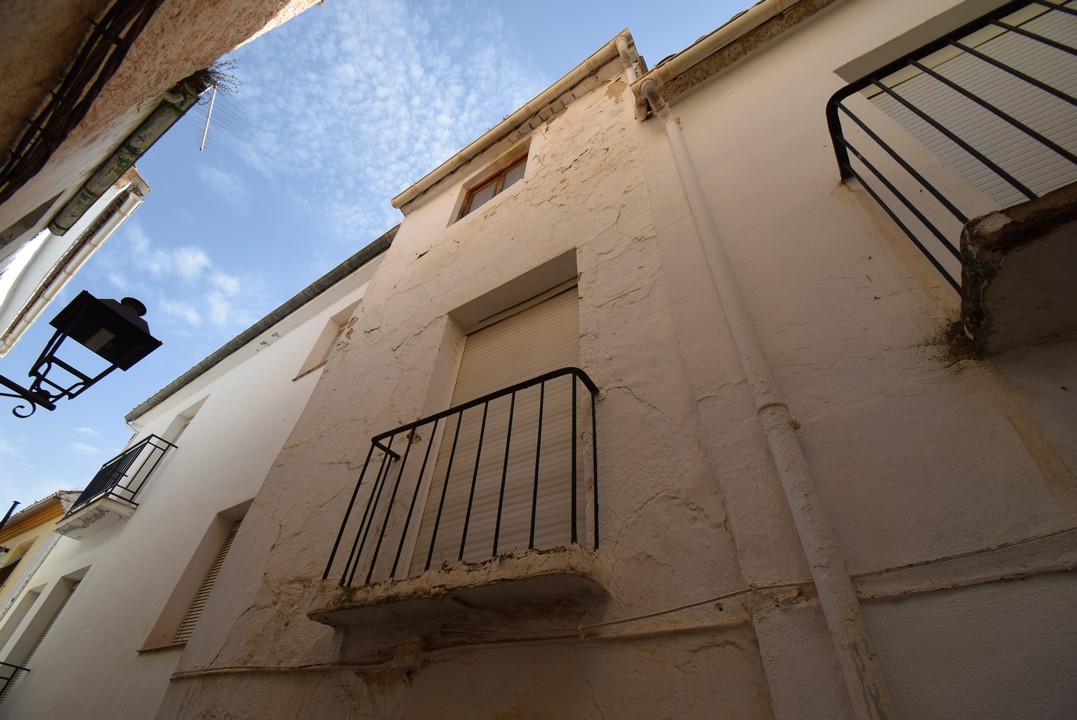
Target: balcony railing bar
[[1035, 36], [387, 516], [575, 537], [953, 137], [580, 375], [351, 505], [474, 477], [932, 227], [505, 471], [894, 216], [1039, 84], [538, 458], [444, 491], [594, 462], [414, 498], [935, 192], [106, 482], [1056, 6], [939, 234], [6, 680], [929, 48], [1040, 138], [379, 485], [843, 148], [392, 501]]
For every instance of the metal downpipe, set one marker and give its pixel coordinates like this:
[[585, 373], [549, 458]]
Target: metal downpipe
[[865, 681]]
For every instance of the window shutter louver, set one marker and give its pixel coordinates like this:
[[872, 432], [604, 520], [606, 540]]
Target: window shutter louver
[[190, 619], [541, 338]]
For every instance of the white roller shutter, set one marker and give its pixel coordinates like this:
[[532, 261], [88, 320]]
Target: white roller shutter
[[529, 343], [1031, 163]]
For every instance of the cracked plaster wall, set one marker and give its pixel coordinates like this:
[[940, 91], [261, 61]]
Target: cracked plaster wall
[[663, 526], [916, 457], [135, 566]]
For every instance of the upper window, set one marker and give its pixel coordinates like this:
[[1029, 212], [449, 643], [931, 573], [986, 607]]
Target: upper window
[[493, 185]]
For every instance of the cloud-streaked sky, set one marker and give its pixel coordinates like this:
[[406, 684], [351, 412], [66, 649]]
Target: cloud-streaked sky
[[336, 112]]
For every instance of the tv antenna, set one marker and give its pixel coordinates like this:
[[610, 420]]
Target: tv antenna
[[220, 113]]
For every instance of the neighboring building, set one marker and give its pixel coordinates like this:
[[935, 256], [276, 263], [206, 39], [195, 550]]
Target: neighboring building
[[646, 413], [37, 272], [89, 86], [138, 542], [23, 538]]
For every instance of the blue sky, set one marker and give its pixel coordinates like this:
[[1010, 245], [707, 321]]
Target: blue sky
[[340, 109]]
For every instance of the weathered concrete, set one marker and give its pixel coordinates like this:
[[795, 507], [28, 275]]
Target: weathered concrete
[[1018, 267], [561, 576]]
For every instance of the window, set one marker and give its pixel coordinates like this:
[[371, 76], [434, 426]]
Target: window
[[332, 335], [489, 186], [521, 343], [13, 562], [183, 609], [194, 611]]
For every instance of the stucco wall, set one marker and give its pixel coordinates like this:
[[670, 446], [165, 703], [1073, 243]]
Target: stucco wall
[[917, 455], [663, 530], [943, 477], [252, 400]]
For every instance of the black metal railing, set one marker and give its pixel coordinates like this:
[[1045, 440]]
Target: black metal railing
[[9, 673], [994, 100], [124, 475], [508, 472]]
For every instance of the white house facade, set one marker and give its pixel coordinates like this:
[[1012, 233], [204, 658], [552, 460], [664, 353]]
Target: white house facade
[[128, 560], [736, 387]]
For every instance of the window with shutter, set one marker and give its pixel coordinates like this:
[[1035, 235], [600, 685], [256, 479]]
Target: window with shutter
[[194, 612], [534, 340]]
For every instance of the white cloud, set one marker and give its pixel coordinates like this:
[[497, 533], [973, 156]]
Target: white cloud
[[189, 262], [220, 310], [86, 431], [87, 449], [184, 311], [225, 283], [227, 184], [374, 96], [184, 287], [9, 450]]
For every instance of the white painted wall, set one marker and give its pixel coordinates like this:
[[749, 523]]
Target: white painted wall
[[942, 478], [917, 458], [251, 401]]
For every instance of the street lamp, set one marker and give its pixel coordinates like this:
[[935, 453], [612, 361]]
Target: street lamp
[[114, 331]]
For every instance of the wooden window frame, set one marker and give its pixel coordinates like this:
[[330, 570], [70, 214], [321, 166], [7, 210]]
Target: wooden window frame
[[498, 178]]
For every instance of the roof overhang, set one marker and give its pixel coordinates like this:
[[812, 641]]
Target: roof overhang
[[579, 81], [744, 33]]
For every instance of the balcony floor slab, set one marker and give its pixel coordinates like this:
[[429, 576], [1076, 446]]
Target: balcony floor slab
[[101, 514], [564, 577]]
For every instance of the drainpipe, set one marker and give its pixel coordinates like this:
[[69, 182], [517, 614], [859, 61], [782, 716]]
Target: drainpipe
[[627, 59], [865, 681]]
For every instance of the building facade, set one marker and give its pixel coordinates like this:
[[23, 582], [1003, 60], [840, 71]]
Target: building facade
[[658, 406], [128, 559]]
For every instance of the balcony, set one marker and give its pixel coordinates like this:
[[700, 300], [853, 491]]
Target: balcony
[[972, 132], [110, 496], [492, 503], [9, 673]]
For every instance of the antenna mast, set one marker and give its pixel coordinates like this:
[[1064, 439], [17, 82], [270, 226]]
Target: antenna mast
[[209, 114]]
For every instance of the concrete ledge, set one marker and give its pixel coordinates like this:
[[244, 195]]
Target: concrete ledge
[[564, 576], [101, 514], [1018, 269]]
